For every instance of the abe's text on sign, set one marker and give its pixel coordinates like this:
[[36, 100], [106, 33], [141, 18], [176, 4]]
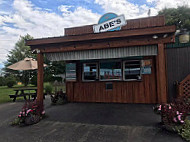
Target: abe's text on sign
[[110, 24]]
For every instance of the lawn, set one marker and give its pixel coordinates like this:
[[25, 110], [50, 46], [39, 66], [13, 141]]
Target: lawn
[[5, 92]]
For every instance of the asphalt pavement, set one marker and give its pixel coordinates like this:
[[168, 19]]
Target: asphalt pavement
[[86, 122]]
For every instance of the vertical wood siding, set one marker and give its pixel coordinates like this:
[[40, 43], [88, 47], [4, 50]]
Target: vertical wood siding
[[148, 22], [123, 92], [178, 67]]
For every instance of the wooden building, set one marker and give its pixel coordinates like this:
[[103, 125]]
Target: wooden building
[[178, 68], [124, 66]]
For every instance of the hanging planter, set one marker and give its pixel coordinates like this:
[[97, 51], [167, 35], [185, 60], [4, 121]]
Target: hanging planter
[[184, 36]]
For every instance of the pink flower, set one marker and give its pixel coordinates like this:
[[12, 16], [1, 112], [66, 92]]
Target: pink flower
[[179, 117], [170, 107], [28, 111], [19, 115], [177, 112], [182, 121], [43, 112], [175, 120], [159, 108]]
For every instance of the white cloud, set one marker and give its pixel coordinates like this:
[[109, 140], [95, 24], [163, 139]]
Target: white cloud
[[7, 42], [2, 2], [161, 4], [25, 18], [65, 9], [38, 23], [130, 10]]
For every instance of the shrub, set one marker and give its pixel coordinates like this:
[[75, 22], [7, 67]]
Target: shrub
[[184, 132], [157, 109], [59, 97], [173, 115], [48, 88], [31, 113], [10, 81]]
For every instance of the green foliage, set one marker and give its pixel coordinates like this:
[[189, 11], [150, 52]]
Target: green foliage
[[15, 122], [22, 51], [33, 80], [19, 52], [2, 81], [48, 88], [10, 81], [54, 68], [185, 130], [177, 16]]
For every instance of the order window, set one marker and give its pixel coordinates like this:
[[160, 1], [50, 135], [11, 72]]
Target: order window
[[110, 70], [132, 70], [71, 71], [90, 71]]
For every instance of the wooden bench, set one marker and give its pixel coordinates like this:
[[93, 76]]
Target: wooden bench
[[20, 92], [15, 96], [32, 95]]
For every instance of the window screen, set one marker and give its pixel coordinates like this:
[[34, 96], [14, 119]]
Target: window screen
[[70, 71], [90, 71], [132, 70], [110, 71]]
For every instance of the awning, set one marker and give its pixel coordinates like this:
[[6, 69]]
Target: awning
[[104, 53]]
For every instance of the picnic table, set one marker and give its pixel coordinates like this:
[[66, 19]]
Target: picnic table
[[21, 92]]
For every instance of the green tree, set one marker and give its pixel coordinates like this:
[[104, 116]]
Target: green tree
[[2, 81], [22, 51], [177, 16], [19, 52]]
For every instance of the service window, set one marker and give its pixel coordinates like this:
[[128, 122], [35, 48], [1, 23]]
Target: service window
[[132, 70], [90, 71], [110, 70], [71, 71]]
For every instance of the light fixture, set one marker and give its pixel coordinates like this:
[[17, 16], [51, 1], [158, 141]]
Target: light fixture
[[165, 35], [35, 51], [154, 36], [184, 36]]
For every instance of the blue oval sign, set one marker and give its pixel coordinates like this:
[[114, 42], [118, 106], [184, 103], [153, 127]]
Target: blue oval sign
[[107, 17]]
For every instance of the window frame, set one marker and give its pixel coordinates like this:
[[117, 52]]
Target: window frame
[[97, 71], [111, 79], [139, 74]]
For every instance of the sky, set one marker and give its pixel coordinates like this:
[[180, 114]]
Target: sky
[[48, 18]]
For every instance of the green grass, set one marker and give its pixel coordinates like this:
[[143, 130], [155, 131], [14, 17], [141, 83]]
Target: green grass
[[5, 92]]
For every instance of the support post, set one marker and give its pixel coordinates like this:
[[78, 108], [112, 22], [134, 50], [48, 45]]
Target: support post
[[161, 75], [40, 78]]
